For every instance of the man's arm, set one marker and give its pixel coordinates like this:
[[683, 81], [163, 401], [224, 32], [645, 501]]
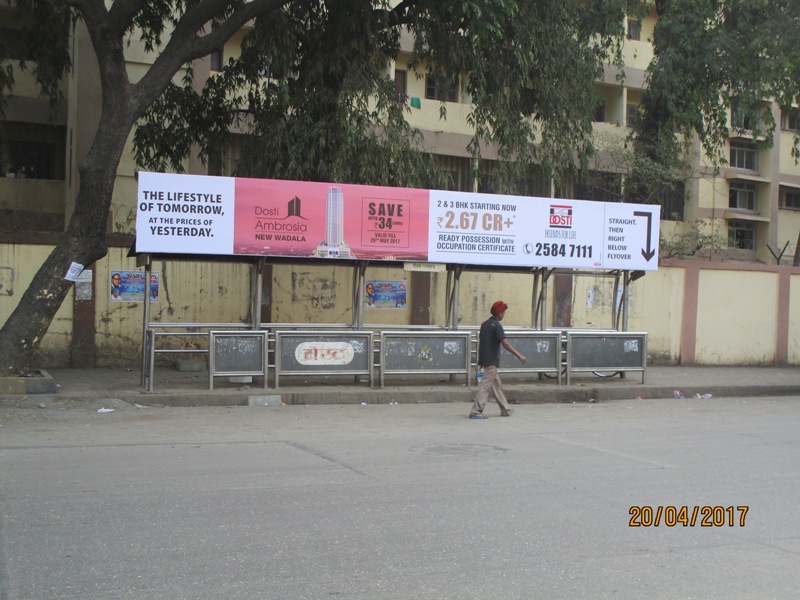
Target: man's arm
[[507, 345]]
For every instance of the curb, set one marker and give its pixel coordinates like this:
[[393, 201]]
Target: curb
[[518, 394]]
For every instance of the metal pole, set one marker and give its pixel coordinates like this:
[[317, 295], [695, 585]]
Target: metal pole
[[456, 288], [544, 298], [146, 321], [625, 299], [535, 300], [448, 308], [256, 295], [358, 296]]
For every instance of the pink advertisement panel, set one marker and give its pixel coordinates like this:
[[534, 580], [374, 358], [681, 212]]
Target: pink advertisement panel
[[311, 219]]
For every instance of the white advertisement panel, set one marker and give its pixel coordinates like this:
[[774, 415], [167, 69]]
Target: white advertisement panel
[[542, 232], [632, 235], [185, 214]]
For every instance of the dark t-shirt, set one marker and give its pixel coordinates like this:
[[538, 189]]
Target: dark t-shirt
[[492, 333]]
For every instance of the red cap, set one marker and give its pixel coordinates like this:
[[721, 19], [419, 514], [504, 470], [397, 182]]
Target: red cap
[[499, 307]]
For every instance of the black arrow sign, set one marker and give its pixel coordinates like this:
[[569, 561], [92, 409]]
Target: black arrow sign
[[649, 252]]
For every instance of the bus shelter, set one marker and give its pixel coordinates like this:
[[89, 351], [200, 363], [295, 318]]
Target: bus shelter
[[268, 222]]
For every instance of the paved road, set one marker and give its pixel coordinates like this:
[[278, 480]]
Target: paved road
[[400, 501]]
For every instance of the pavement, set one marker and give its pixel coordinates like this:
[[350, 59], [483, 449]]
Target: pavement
[[173, 387]]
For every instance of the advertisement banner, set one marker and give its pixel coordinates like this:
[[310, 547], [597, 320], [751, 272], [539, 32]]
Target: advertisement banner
[[297, 218], [185, 214], [513, 230], [191, 214]]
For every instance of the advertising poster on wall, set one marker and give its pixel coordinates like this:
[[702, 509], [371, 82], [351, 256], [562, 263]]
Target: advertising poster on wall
[[385, 294], [129, 286]]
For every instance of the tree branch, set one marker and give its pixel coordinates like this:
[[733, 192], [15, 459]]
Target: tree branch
[[188, 42]]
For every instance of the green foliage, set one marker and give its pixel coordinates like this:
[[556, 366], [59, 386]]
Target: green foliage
[[699, 240], [710, 56], [312, 88], [47, 27]]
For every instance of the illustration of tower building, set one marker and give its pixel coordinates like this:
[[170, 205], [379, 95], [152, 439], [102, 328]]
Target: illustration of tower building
[[334, 245], [335, 221]]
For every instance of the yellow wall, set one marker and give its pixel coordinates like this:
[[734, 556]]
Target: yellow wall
[[788, 229], [189, 292], [656, 306], [737, 312], [478, 291], [794, 321], [18, 265], [736, 323], [785, 140], [428, 116]]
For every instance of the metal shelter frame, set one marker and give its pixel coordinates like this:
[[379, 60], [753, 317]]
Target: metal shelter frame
[[539, 298]]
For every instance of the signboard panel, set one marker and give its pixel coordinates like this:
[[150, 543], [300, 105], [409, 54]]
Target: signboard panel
[[330, 352], [541, 350], [408, 352], [297, 218], [185, 214], [514, 230], [610, 351], [194, 214], [631, 236], [236, 353], [425, 352]]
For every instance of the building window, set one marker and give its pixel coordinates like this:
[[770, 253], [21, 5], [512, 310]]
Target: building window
[[741, 235], [216, 60], [740, 120], [790, 199], [535, 184], [742, 195], [16, 44], [673, 202], [598, 186], [600, 112], [436, 88], [630, 115], [743, 155], [401, 85], [634, 29], [460, 171], [789, 119], [35, 151]]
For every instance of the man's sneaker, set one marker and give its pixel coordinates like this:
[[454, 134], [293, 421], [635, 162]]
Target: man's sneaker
[[508, 413], [478, 416]]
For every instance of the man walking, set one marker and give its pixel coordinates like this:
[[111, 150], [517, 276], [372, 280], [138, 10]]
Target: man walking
[[492, 335]]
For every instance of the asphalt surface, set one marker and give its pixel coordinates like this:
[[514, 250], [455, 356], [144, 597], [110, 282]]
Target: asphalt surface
[[400, 501]]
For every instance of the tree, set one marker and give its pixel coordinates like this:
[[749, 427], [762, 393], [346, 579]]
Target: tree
[[324, 106], [711, 58]]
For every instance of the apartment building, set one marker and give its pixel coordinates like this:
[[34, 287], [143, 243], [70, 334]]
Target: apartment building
[[753, 202], [751, 205]]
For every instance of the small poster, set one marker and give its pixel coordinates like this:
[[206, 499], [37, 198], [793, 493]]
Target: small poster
[[385, 294], [129, 286]]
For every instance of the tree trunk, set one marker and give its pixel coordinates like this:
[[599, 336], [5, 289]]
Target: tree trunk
[[84, 242], [796, 261]]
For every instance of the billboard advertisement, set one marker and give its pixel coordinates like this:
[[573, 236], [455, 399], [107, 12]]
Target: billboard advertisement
[[192, 214]]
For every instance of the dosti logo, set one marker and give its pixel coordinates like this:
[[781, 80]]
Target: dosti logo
[[560, 216]]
